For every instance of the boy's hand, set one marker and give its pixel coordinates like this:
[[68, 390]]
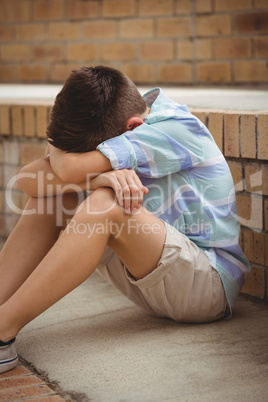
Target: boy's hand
[[128, 188]]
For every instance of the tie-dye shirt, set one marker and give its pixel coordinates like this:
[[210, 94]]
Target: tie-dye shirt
[[189, 181]]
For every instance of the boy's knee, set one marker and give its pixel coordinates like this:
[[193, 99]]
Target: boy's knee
[[101, 202]]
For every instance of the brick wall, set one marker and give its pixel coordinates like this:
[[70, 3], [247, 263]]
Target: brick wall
[[242, 138], [152, 41]]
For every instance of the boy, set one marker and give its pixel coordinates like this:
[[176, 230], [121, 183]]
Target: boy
[[177, 255]]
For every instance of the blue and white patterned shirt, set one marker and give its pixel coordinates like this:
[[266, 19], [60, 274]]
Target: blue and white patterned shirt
[[189, 181]]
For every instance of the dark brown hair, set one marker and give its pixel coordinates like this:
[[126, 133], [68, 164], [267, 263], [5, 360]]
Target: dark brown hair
[[93, 106]]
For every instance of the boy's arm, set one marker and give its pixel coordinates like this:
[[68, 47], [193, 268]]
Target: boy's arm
[[78, 167], [37, 179]]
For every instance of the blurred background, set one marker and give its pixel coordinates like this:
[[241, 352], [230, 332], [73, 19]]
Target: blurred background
[[184, 42]]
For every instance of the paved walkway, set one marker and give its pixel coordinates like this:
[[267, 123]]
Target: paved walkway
[[95, 345]]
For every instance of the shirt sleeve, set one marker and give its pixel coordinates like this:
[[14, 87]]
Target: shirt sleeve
[[156, 150]]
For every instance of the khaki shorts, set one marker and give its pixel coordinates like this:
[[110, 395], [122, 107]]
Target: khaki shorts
[[183, 286]]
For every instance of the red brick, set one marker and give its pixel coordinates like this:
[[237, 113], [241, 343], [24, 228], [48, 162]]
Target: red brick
[[202, 116], [250, 212], [59, 72], [185, 50], [31, 73], [231, 135], [17, 371], [15, 52], [203, 49], [16, 120], [213, 25], [266, 215], [99, 29], [251, 71], [13, 394], [15, 10], [2, 223], [174, 27], [226, 48], [136, 28], [64, 30], [155, 7], [266, 274], [255, 283], [118, 51], [80, 9], [215, 126], [118, 8], [256, 177], [231, 5], [84, 51], [6, 33], [53, 398], [203, 6], [255, 246], [157, 50], [141, 74], [214, 72], [5, 128], [1, 152], [15, 382], [48, 9], [29, 121], [11, 152], [262, 136], [251, 23], [183, 7], [31, 151], [237, 174], [7, 73], [261, 46], [41, 121], [30, 32], [260, 3], [248, 136], [47, 52], [177, 73]]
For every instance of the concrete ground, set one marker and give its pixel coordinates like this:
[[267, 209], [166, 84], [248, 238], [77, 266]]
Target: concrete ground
[[98, 346], [227, 98]]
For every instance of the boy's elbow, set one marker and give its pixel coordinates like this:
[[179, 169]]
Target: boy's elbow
[[62, 168], [21, 180], [67, 172]]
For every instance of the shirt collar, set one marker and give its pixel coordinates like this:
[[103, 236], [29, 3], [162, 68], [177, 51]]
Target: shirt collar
[[162, 107]]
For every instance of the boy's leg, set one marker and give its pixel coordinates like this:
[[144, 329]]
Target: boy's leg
[[77, 253], [31, 239]]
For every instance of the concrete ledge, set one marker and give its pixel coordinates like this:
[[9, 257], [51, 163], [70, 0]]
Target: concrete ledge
[[221, 98]]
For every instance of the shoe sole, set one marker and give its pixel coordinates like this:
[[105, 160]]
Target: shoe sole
[[8, 364]]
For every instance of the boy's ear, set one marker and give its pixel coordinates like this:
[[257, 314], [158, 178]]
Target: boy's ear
[[133, 122]]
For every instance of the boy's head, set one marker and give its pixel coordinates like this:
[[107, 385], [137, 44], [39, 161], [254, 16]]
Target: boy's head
[[94, 105]]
